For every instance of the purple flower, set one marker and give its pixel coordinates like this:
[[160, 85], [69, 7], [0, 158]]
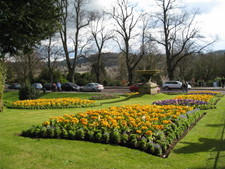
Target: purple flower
[[182, 102]]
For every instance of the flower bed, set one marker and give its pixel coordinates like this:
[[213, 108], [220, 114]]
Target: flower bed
[[200, 97], [197, 99], [150, 128], [104, 96], [51, 103], [204, 93], [130, 94], [197, 104]]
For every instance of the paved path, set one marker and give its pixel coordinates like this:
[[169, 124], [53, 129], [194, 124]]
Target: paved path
[[121, 89]]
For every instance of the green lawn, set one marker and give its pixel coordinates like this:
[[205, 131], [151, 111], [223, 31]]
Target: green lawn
[[203, 147]]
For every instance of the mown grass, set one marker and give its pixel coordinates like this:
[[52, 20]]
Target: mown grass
[[202, 147]]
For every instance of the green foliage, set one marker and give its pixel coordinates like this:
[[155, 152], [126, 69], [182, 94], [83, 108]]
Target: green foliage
[[25, 23], [27, 91], [111, 82], [142, 144], [83, 79], [106, 137], [2, 82], [115, 137], [57, 76], [80, 134], [124, 139], [98, 136]]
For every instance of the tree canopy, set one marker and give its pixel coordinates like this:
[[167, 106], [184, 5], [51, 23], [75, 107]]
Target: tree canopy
[[24, 23]]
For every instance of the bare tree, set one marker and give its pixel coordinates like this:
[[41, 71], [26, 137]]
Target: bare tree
[[52, 55], [179, 36], [80, 20], [206, 66], [100, 35], [126, 21], [28, 65]]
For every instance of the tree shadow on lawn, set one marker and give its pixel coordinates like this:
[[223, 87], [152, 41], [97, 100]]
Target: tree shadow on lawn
[[206, 145]]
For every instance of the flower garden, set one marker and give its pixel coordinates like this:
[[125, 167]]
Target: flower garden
[[51, 103], [149, 128], [198, 99]]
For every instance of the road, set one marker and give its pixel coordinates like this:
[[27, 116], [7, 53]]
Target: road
[[122, 90]]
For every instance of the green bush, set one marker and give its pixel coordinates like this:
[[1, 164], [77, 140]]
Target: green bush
[[28, 92]]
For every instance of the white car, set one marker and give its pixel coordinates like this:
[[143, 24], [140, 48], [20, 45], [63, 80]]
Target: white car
[[173, 85], [92, 87]]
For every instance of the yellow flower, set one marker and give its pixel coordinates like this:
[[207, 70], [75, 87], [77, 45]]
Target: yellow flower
[[46, 123], [138, 131]]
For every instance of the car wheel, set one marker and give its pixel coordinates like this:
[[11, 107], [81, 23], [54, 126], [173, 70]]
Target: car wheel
[[81, 90], [167, 88], [93, 90]]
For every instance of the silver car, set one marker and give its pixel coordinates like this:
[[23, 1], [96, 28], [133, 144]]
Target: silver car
[[92, 87], [37, 85], [173, 85]]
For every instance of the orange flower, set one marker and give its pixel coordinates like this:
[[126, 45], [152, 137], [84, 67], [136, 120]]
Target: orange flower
[[149, 132], [138, 131]]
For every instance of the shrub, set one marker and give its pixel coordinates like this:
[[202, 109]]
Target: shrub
[[27, 91]]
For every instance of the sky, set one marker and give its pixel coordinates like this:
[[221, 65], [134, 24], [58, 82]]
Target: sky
[[210, 18]]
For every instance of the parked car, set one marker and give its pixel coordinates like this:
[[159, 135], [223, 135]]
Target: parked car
[[70, 87], [173, 85], [47, 86], [37, 85], [92, 87], [14, 86], [135, 87]]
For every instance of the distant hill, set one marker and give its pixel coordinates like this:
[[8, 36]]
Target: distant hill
[[109, 59], [83, 65], [220, 51]]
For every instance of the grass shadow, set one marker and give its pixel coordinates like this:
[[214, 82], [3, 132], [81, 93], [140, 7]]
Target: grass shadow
[[122, 100], [206, 145]]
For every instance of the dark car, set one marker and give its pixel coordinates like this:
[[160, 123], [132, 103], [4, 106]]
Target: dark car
[[47, 86], [70, 87], [135, 87], [14, 86]]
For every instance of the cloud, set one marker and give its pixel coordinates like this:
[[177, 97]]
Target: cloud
[[205, 6]]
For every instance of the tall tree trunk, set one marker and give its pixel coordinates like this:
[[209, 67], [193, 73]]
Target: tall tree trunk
[[170, 70]]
